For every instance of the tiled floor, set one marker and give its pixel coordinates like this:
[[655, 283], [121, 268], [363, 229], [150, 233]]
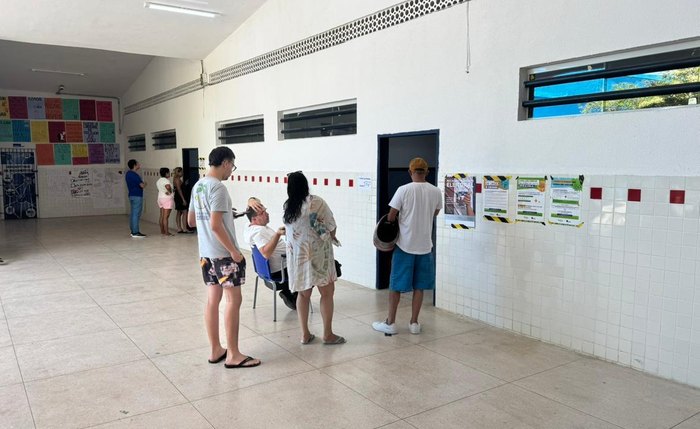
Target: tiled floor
[[101, 330]]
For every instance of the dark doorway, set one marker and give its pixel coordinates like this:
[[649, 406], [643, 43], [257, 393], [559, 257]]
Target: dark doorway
[[190, 168], [395, 152]]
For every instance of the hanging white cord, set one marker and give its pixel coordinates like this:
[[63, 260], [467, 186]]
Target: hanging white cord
[[469, 48]]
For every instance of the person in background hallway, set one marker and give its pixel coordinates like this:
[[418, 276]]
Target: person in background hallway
[[166, 201], [310, 231], [181, 202], [412, 264], [222, 263], [135, 185], [271, 245]]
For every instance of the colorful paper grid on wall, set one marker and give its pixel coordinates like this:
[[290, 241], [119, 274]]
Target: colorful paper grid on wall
[[52, 123]]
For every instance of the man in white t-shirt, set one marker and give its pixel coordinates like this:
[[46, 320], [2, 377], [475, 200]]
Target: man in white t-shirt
[[271, 245], [412, 265]]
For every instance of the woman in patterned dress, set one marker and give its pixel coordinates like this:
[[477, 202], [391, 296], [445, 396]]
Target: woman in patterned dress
[[310, 230]]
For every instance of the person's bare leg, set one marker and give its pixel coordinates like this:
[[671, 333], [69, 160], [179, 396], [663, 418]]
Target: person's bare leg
[[232, 312], [211, 320], [416, 304], [394, 298], [166, 221], [178, 219], [327, 305], [160, 222], [303, 300]]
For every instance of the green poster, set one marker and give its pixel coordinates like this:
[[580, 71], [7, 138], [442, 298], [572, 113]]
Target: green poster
[[71, 109], [62, 154], [107, 132], [5, 130]]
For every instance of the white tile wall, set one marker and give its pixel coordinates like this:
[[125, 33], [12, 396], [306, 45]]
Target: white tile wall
[[623, 287]]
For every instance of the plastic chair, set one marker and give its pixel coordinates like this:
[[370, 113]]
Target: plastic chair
[[262, 270]]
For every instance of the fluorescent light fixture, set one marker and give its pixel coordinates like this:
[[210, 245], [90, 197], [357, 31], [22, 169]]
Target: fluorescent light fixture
[[180, 9], [58, 72]]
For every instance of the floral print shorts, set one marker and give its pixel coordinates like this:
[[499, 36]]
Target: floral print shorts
[[224, 272]]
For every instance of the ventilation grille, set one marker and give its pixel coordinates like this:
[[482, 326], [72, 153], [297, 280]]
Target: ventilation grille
[[389, 17]]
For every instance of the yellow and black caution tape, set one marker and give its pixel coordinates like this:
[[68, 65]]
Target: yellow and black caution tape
[[460, 175], [497, 219], [459, 226], [497, 178], [532, 221]]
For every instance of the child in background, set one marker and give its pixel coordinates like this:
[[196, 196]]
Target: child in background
[[166, 200]]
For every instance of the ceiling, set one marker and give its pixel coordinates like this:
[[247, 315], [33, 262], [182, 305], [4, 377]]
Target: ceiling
[[110, 41]]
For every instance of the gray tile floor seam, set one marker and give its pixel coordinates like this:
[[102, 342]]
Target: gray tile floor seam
[[686, 420]]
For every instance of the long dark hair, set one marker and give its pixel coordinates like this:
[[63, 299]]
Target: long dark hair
[[297, 191]]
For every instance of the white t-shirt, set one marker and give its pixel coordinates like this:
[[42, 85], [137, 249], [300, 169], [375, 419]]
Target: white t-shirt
[[259, 236], [160, 185], [210, 195], [416, 203]]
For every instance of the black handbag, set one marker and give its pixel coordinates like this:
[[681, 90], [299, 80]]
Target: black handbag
[[338, 272]]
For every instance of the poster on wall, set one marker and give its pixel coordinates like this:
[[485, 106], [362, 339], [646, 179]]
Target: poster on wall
[[565, 201], [530, 195], [496, 197], [36, 108], [111, 154], [4, 108], [460, 202], [5, 130], [80, 183], [54, 108]]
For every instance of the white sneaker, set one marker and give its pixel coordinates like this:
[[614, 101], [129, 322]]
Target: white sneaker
[[385, 327], [414, 328]]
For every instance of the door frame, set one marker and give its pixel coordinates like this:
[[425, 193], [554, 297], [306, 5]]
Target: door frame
[[382, 184]]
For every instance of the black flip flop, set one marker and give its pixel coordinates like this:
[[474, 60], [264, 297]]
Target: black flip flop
[[222, 357], [242, 364]]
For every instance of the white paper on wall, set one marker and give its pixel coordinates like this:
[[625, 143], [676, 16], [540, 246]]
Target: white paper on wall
[[107, 188], [58, 182], [80, 183]]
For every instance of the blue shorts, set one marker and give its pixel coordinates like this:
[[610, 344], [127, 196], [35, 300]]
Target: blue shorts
[[409, 272]]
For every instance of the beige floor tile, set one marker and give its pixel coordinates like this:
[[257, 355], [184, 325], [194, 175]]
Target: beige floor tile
[[361, 342], [509, 407], [51, 326], [435, 323], [618, 395], [401, 424], [133, 292], [172, 336], [47, 304], [113, 277], [78, 353], [180, 416], [9, 371], [100, 396], [399, 381], [354, 302], [501, 354], [14, 409], [26, 271], [309, 400], [5, 339], [39, 287], [154, 310], [691, 423], [260, 318], [196, 378]]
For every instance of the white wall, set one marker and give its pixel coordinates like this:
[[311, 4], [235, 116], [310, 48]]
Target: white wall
[[603, 289]]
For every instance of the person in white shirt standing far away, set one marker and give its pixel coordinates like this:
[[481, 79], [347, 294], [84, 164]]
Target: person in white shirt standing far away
[[412, 265]]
